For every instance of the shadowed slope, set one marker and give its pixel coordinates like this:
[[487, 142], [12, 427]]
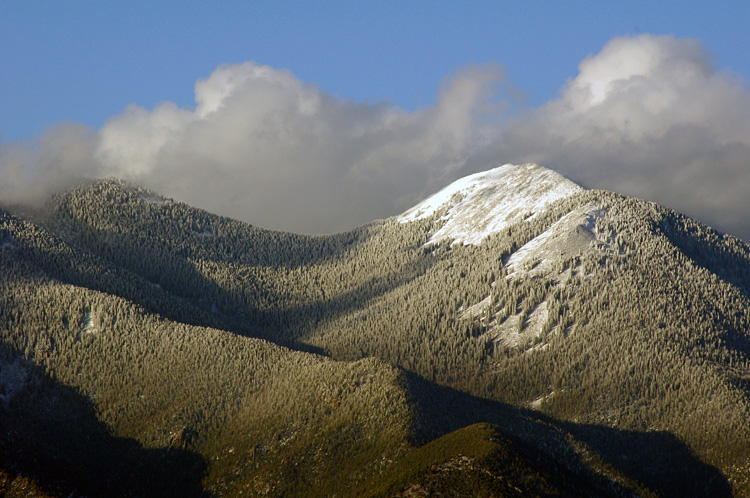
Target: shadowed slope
[[52, 433]]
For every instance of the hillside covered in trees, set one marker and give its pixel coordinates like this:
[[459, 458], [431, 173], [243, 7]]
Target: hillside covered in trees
[[514, 335]]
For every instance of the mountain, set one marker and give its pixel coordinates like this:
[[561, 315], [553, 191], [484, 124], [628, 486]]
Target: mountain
[[512, 335]]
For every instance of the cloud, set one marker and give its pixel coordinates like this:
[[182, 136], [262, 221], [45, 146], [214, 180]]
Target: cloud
[[30, 169], [648, 116], [264, 147]]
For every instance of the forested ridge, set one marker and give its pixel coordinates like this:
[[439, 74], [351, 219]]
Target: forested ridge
[[236, 359]]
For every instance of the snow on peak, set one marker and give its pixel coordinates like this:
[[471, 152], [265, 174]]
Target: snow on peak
[[488, 202]]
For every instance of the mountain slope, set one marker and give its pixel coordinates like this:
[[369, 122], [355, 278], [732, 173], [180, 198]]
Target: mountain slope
[[94, 385], [623, 324]]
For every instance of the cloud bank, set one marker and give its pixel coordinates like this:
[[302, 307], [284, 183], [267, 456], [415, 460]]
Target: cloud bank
[[647, 116], [262, 146]]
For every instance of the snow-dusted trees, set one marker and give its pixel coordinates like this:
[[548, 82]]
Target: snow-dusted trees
[[643, 327]]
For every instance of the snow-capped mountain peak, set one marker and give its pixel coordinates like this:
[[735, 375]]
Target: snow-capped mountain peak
[[484, 203]]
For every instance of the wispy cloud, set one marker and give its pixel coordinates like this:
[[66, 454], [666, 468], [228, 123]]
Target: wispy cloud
[[647, 116], [62, 156]]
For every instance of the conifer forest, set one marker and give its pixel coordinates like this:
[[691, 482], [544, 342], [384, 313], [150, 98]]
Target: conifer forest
[[596, 346]]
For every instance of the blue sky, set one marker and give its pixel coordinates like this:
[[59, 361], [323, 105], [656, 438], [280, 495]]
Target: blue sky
[[85, 61], [321, 116]]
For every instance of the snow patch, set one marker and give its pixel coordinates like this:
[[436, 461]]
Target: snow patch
[[152, 199], [88, 325], [515, 331], [537, 403], [484, 203], [475, 310], [536, 319], [570, 235], [519, 330]]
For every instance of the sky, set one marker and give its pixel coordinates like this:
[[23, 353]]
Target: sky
[[317, 117]]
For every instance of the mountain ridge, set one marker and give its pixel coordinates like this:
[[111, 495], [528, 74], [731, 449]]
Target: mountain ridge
[[526, 316]]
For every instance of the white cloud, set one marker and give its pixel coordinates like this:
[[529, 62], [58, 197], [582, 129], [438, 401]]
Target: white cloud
[[264, 147], [130, 143], [648, 116]]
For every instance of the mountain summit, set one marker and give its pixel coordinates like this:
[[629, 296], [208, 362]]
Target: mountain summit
[[478, 205]]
